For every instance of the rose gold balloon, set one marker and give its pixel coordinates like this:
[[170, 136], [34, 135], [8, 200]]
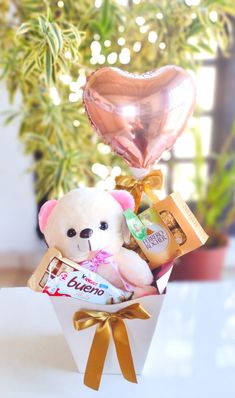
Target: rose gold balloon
[[139, 116]]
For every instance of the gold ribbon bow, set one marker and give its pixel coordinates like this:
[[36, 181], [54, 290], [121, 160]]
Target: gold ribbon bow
[[107, 323], [147, 184]]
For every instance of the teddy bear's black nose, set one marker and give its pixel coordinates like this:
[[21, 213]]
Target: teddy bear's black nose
[[86, 233]]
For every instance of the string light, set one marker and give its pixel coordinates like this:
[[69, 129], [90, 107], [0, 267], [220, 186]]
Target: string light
[[121, 41], [112, 58], [82, 78], [192, 41], [55, 96], [192, 3], [193, 15], [101, 59], [96, 36], [95, 48], [159, 15], [162, 45], [56, 101], [76, 123], [66, 79], [140, 21], [103, 148], [137, 46], [121, 29], [108, 184], [116, 171], [68, 55], [122, 2], [144, 29], [93, 61], [60, 4], [213, 16], [125, 56], [95, 51], [152, 37], [98, 3], [74, 97], [107, 43], [74, 86], [166, 155], [100, 170]]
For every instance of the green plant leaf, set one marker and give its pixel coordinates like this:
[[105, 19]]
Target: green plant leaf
[[42, 44], [48, 66]]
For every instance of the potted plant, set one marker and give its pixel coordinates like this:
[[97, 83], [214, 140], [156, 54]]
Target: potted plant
[[215, 210], [48, 48]]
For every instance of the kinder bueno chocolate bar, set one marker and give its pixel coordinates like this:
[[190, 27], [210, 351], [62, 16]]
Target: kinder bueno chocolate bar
[[58, 276], [166, 230]]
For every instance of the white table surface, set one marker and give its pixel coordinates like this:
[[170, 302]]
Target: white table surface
[[192, 353]]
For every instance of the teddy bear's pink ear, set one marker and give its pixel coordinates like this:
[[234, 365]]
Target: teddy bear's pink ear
[[44, 213], [124, 198]]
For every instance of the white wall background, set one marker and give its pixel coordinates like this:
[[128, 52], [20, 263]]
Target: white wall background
[[17, 202]]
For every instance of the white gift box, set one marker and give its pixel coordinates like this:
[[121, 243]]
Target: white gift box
[[140, 331]]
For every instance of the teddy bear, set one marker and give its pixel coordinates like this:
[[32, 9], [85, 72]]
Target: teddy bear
[[88, 226]]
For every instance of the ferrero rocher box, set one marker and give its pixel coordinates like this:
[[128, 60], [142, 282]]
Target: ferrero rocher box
[[166, 231]]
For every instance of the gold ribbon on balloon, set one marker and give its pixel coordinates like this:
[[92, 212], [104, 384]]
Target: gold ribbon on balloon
[[107, 324], [147, 184]]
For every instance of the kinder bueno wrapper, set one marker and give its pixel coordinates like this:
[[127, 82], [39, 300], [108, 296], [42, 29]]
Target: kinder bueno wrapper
[[58, 276]]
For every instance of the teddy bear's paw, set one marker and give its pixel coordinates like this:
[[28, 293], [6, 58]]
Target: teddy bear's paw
[[144, 291], [133, 268], [110, 274]]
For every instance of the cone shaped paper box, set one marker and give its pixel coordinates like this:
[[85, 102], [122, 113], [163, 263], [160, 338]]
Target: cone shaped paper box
[[140, 331]]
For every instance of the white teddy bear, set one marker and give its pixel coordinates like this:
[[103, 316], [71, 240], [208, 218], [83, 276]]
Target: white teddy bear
[[87, 226]]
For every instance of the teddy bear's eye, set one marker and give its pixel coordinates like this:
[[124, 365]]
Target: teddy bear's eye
[[103, 225], [71, 232]]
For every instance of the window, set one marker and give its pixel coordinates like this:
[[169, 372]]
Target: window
[[179, 163], [215, 115]]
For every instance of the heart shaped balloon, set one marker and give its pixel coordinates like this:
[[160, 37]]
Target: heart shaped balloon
[[139, 116]]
